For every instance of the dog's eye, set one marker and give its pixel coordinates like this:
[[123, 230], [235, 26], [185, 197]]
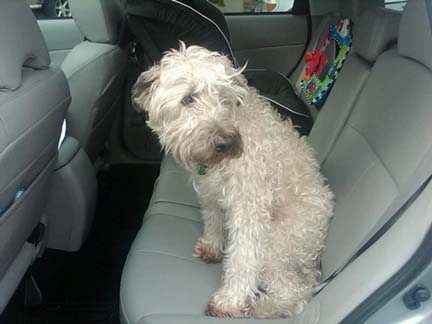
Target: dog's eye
[[186, 101]]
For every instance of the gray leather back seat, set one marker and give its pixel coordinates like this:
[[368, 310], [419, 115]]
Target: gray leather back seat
[[378, 149], [96, 70], [33, 101]]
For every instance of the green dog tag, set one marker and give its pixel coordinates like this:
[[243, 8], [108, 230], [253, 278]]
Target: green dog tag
[[201, 169]]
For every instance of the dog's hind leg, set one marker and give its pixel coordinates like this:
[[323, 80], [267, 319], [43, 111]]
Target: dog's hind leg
[[284, 295]]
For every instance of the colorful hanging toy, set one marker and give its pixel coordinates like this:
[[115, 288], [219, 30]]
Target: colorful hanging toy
[[315, 88]]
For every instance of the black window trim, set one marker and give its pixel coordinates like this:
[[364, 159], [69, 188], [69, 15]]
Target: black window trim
[[299, 8]]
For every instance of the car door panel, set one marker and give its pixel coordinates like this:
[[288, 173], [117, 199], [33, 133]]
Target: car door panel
[[268, 41], [61, 35]]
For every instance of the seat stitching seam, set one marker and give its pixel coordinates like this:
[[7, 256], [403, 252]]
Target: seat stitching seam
[[141, 317], [174, 216], [42, 119], [79, 69], [173, 202], [19, 95], [353, 187], [376, 153], [347, 117], [167, 254], [28, 167], [35, 84]]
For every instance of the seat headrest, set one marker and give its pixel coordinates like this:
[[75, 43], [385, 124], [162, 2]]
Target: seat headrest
[[22, 43], [100, 21], [376, 29], [415, 33]]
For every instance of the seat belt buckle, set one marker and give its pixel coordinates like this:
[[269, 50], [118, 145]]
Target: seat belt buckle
[[37, 235]]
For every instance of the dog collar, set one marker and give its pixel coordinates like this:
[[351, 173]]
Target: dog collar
[[201, 169]]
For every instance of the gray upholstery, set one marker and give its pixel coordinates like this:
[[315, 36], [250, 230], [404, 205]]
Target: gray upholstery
[[22, 44], [415, 40], [380, 148], [31, 114], [389, 129], [95, 70], [355, 72], [389, 148], [72, 199], [100, 21], [372, 39], [338, 105]]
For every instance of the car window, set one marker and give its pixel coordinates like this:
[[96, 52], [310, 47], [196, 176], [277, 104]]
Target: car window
[[395, 5], [50, 9], [253, 6]]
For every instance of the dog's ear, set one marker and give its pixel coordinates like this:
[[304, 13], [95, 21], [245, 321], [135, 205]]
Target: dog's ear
[[239, 84], [238, 76], [140, 92]]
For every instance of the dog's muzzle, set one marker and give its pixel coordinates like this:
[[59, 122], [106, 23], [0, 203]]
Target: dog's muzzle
[[225, 145]]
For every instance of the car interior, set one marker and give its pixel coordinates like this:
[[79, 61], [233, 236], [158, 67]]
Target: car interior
[[97, 223]]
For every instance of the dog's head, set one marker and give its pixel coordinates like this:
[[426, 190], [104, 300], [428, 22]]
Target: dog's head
[[191, 99]]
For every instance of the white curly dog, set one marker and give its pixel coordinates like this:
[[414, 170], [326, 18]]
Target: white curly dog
[[265, 206]]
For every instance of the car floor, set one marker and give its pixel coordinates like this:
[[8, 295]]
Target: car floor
[[83, 287]]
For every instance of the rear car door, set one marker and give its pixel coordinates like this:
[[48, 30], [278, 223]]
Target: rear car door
[[270, 34]]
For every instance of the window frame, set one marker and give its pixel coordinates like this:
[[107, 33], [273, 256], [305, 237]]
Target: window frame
[[299, 8]]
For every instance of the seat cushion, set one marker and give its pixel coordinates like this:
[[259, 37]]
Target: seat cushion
[[174, 193], [163, 283], [169, 164], [175, 187], [163, 244], [174, 190]]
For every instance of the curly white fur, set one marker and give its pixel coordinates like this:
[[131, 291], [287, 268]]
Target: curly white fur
[[266, 208]]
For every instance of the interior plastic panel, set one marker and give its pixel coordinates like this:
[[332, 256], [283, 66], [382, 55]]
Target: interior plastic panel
[[273, 41]]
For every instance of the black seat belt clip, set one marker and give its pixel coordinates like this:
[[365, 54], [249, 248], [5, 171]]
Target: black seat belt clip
[[37, 235]]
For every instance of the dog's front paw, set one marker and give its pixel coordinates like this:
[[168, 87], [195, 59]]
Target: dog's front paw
[[207, 252], [218, 306]]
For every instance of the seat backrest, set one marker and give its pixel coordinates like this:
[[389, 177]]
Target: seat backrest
[[96, 70], [381, 149], [33, 101], [159, 25], [384, 25]]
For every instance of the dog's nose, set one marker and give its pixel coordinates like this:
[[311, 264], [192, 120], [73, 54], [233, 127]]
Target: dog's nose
[[225, 145]]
